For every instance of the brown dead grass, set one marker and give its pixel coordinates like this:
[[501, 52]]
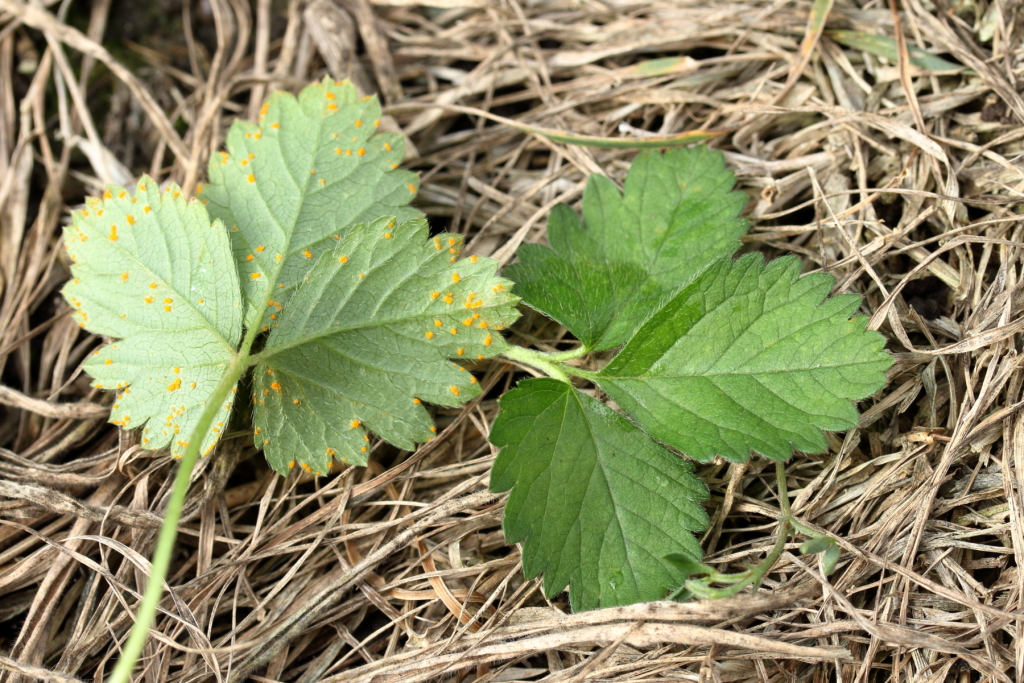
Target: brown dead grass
[[902, 183]]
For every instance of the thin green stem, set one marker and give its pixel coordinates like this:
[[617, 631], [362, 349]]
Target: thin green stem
[[537, 360], [754, 575], [169, 531]]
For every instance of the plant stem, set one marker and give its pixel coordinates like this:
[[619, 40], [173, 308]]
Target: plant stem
[[169, 531], [753, 576], [536, 359]]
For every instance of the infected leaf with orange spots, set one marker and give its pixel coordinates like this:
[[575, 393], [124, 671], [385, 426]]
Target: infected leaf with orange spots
[[351, 353], [168, 356], [288, 189]]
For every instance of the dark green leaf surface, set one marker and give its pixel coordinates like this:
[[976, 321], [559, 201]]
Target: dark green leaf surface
[[154, 273], [604, 275], [367, 337], [290, 186], [749, 356], [597, 505]]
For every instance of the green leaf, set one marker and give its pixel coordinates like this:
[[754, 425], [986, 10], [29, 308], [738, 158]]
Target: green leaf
[[596, 503], [367, 336], [291, 186], [688, 565], [749, 356], [831, 559], [816, 545], [152, 272], [604, 275]]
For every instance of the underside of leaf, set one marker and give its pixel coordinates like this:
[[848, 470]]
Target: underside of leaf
[[366, 340], [749, 356], [595, 502], [292, 185], [604, 275], [155, 274]]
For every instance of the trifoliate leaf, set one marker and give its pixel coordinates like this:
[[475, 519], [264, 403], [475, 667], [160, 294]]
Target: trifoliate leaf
[[604, 275], [367, 337], [152, 272], [289, 187], [749, 356], [597, 505]]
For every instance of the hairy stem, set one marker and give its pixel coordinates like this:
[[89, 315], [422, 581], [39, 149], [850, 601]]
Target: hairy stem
[[169, 531], [538, 360]]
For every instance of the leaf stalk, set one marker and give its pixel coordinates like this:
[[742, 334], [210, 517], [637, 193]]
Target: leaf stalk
[[169, 531]]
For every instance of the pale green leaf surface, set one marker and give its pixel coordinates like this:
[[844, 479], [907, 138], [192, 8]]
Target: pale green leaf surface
[[152, 272], [368, 336], [605, 274], [749, 356], [597, 504], [290, 186]]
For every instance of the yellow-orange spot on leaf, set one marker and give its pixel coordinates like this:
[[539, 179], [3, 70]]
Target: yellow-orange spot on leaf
[[108, 362], [147, 208], [356, 423], [275, 125], [251, 178], [468, 321], [498, 288], [438, 323], [291, 464], [106, 194], [256, 276], [363, 449], [307, 253], [332, 107], [412, 188], [329, 95], [244, 162], [131, 220], [454, 330], [175, 385], [358, 123], [250, 257], [193, 385], [276, 386], [199, 188], [168, 300], [124, 277], [451, 241], [434, 295], [148, 299], [448, 299], [460, 352], [362, 275], [167, 309], [387, 235], [277, 258], [376, 123], [488, 340], [472, 380], [260, 249], [176, 195], [455, 278], [348, 152], [361, 151], [480, 357], [483, 324], [337, 150], [417, 401], [152, 285], [297, 402], [387, 147], [343, 259], [455, 390], [113, 233], [429, 335]]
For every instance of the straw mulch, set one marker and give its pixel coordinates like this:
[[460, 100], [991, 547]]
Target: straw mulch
[[903, 183]]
